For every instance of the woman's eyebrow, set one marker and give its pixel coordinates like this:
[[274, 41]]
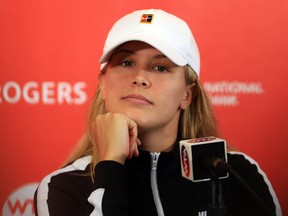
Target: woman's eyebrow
[[159, 56], [131, 52], [127, 51]]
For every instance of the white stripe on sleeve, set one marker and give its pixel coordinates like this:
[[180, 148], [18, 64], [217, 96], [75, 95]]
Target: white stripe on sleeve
[[43, 189], [271, 190], [95, 199]]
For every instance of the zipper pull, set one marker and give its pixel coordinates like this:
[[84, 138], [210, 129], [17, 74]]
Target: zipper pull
[[154, 157]]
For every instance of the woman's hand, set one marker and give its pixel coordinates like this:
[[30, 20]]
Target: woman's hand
[[116, 137]]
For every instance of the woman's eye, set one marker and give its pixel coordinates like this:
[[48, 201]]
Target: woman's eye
[[161, 68], [126, 63]]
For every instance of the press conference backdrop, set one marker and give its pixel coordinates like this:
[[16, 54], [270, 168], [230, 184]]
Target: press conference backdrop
[[49, 51]]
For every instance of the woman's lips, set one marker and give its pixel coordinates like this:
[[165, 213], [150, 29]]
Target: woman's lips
[[137, 99]]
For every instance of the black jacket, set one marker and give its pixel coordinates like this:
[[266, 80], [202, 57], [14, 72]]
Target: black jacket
[[138, 189]]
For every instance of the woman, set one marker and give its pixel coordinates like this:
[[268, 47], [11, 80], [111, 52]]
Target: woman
[[149, 98]]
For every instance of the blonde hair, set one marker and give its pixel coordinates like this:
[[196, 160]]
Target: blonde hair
[[195, 121], [198, 120]]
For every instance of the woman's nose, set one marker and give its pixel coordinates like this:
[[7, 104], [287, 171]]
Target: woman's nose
[[141, 79]]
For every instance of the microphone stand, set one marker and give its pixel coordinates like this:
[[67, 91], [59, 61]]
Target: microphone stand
[[217, 207]]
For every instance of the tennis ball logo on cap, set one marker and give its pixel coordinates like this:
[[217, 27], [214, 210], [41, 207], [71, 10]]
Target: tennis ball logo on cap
[[146, 18]]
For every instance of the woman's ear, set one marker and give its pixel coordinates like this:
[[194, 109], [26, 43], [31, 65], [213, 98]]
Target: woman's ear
[[188, 96], [102, 85]]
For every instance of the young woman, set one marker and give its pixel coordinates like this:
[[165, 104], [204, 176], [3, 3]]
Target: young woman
[[149, 98]]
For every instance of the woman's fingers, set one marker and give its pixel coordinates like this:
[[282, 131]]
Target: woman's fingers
[[116, 137]]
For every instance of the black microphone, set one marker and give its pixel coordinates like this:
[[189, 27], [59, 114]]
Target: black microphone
[[203, 159]]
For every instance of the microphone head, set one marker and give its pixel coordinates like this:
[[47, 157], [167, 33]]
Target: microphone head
[[203, 158]]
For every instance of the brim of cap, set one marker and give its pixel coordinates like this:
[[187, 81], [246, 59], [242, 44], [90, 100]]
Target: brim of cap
[[167, 49]]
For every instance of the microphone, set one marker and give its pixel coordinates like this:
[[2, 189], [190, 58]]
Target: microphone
[[203, 159]]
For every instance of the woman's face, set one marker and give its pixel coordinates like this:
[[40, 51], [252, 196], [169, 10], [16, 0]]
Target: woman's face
[[145, 85]]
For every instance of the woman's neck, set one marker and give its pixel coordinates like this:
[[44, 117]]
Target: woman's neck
[[157, 141]]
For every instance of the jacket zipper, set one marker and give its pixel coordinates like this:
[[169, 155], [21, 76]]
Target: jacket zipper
[[154, 185]]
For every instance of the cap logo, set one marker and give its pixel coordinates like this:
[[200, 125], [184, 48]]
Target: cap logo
[[146, 18]]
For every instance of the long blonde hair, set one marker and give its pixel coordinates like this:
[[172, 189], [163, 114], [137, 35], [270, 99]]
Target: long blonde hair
[[196, 121]]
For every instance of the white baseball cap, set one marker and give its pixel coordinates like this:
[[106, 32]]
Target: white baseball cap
[[166, 32]]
